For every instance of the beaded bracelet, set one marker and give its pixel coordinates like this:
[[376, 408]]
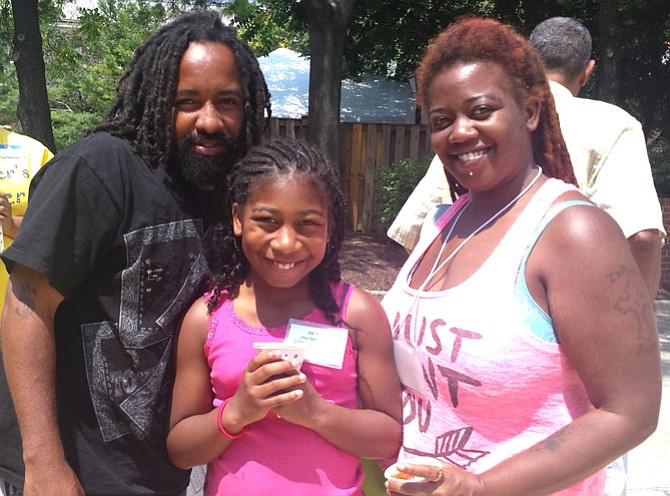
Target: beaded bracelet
[[219, 423]]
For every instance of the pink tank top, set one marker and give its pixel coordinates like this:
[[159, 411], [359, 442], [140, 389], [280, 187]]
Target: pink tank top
[[275, 456], [495, 387]]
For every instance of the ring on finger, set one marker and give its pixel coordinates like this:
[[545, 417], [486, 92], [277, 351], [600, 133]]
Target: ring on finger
[[438, 477]]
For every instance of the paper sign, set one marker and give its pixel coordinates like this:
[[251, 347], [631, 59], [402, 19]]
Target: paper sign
[[324, 345]]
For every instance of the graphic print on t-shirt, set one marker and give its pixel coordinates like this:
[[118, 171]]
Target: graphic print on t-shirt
[[439, 341], [129, 363]]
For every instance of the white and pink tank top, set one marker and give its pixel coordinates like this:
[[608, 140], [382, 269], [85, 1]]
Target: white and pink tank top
[[495, 386]]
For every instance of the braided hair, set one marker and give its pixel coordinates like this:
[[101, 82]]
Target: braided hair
[[475, 39], [142, 112], [260, 166]]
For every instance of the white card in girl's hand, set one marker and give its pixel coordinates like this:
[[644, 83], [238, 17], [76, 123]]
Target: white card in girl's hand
[[290, 352], [324, 345]]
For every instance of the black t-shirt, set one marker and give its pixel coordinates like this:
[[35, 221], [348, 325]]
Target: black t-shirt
[[120, 242]]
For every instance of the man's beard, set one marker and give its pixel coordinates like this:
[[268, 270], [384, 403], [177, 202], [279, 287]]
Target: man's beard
[[206, 171]]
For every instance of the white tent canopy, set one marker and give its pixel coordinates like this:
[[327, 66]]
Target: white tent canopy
[[374, 99]]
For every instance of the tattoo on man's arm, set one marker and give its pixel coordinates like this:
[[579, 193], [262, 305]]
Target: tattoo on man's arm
[[25, 293], [632, 301]]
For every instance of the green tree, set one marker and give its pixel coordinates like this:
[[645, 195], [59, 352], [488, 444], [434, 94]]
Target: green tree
[[389, 38], [32, 109], [85, 59], [325, 23], [86, 70], [49, 13], [644, 70], [267, 26]]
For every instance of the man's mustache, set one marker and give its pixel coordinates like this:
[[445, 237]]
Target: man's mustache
[[199, 137]]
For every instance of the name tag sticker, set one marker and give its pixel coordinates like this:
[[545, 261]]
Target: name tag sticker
[[324, 345], [410, 372]]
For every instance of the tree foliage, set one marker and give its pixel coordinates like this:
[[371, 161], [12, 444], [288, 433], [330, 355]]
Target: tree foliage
[[394, 184], [89, 59], [83, 61], [271, 24], [389, 38]]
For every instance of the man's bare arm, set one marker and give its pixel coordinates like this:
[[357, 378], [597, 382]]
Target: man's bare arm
[[28, 352], [646, 248]]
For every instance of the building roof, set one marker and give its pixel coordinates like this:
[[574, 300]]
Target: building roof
[[373, 99]]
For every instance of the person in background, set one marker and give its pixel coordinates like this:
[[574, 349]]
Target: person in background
[[20, 158], [264, 424], [606, 145], [605, 142], [524, 333], [109, 258]]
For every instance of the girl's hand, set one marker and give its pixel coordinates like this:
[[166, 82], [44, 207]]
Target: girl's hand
[[448, 481], [267, 382], [305, 410]]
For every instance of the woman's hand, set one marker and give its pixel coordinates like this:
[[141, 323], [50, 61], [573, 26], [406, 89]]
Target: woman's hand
[[446, 480]]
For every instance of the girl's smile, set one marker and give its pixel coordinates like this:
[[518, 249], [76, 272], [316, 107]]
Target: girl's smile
[[284, 230]]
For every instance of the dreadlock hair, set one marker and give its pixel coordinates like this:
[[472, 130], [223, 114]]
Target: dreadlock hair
[[263, 164], [473, 39], [142, 112]]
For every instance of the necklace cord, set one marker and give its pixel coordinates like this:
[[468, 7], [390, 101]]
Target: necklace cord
[[437, 267], [433, 272]]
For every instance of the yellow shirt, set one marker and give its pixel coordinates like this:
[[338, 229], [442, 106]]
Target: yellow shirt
[[20, 159]]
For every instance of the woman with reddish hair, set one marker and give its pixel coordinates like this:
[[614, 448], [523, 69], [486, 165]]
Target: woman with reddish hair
[[524, 335]]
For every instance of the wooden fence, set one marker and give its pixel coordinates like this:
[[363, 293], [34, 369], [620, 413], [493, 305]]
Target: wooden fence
[[365, 148]]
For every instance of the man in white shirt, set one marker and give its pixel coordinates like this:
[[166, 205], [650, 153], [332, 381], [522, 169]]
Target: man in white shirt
[[606, 146]]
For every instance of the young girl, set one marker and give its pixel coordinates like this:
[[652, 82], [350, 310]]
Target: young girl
[[263, 424]]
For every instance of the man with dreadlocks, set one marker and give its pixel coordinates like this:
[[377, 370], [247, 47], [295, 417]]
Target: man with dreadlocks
[[109, 258]]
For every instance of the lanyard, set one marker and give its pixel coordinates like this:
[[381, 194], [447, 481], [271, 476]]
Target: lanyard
[[436, 268]]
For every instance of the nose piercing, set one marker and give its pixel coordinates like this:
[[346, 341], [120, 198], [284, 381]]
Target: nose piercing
[[471, 173]]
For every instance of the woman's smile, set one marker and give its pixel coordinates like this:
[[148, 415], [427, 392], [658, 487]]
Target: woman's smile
[[479, 129]]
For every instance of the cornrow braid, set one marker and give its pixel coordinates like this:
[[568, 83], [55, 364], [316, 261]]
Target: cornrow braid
[[142, 112], [473, 39], [261, 165]]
